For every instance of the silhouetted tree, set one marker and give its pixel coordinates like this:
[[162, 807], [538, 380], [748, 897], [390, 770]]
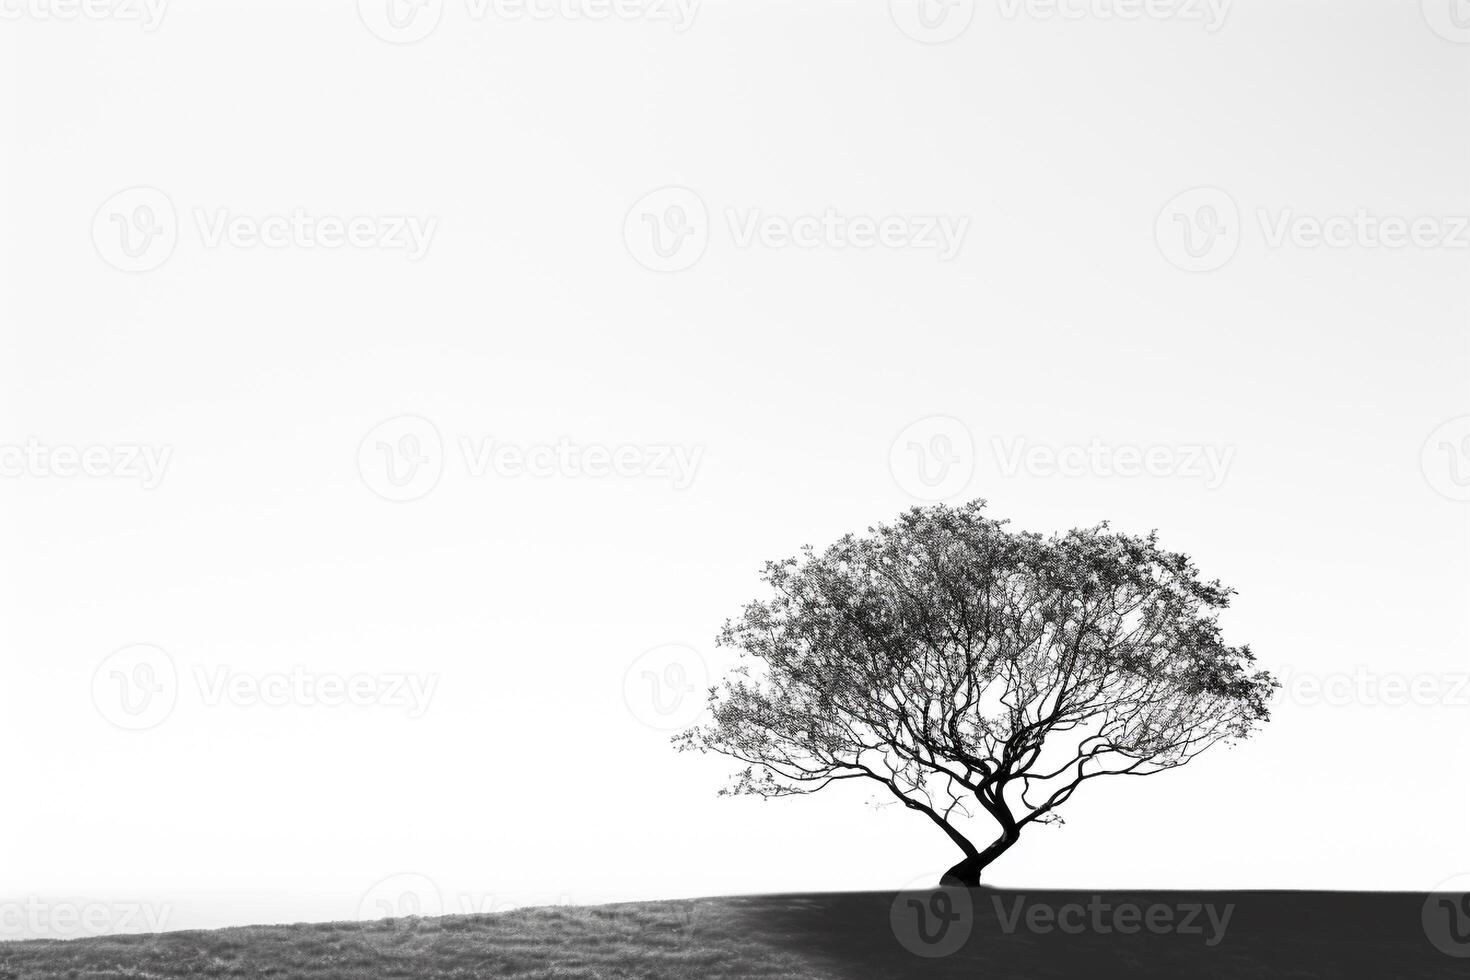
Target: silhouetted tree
[[960, 663]]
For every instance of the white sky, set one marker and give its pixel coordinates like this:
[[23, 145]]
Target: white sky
[[1321, 371]]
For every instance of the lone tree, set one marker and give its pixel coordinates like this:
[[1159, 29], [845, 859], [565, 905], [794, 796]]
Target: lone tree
[[961, 664]]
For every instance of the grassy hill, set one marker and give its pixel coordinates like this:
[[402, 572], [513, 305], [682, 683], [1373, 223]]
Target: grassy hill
[[1002, 933]]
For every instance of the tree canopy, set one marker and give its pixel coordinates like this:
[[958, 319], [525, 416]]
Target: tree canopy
[[965, 666]]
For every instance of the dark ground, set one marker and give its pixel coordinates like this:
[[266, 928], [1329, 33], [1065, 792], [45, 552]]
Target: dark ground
[[1008, 934], [1268, 935]]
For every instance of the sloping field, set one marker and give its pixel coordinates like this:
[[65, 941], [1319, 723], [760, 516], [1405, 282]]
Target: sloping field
[[990, 933]]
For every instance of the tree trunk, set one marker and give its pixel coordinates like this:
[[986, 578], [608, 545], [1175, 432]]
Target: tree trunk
[[966, 874]]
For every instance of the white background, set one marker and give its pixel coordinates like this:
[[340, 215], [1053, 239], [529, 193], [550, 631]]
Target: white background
[[1065, 317]]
